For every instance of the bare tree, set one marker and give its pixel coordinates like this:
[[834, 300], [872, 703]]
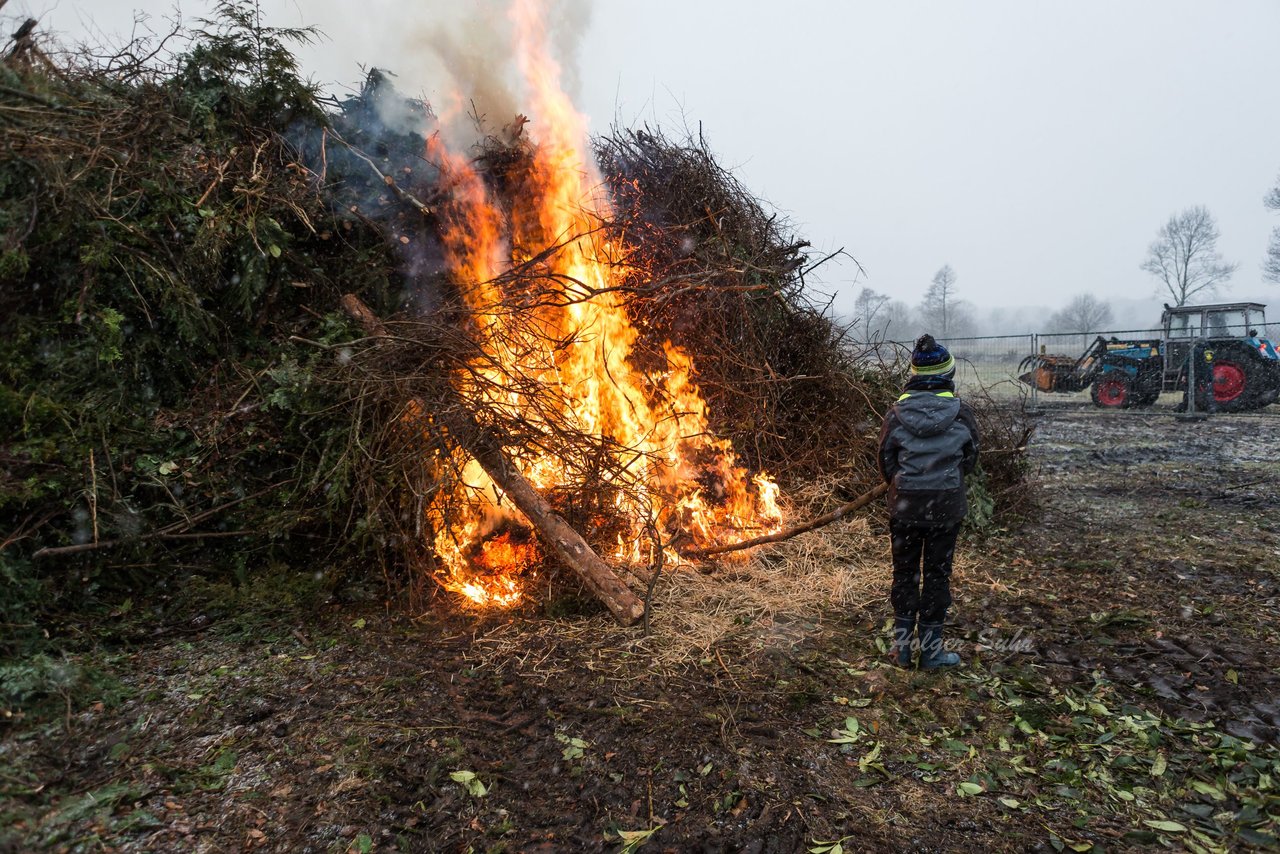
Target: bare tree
[[897, 319], [866, 307], [937, 309], [1085, 313], [1271, 264], [1185, 256]]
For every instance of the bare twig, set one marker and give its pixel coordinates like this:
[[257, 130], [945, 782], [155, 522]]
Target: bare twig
[[176, 531], [657, 554], [795, 531], [63, 551], [399, 192]]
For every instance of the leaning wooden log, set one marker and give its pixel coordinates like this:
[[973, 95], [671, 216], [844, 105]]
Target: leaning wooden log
[[834, 516], [565, 542]]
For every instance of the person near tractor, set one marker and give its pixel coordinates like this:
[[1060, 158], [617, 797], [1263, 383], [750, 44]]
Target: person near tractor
[[1262, 345], [928, 443]]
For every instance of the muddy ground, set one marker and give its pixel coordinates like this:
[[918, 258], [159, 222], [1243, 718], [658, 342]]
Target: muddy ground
[[1120, 691]]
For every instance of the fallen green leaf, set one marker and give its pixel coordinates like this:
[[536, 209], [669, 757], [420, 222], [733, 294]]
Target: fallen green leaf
[[633, 839], [1208, 789], [471, 782], [1169, 826]]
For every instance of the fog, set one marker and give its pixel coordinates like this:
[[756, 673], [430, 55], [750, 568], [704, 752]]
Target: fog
[[1035, 149]]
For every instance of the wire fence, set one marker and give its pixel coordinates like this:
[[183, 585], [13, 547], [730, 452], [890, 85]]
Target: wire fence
[[988, 364], [993, 365]]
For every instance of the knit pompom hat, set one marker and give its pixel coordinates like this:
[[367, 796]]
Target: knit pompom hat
[[931, 359]]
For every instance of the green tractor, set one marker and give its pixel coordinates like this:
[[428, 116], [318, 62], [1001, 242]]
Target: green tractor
[[1235, 369]]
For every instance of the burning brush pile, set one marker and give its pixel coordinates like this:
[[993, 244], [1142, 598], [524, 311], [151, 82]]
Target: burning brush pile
[[562, 404], [620, 341], [484, 349]]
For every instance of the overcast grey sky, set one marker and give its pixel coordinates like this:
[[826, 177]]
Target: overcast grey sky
[[1036, 147]]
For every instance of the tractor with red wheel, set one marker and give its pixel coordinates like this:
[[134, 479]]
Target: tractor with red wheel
[[1234, 368]]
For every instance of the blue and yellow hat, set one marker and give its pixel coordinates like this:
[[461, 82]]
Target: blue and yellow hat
[[931, 359]]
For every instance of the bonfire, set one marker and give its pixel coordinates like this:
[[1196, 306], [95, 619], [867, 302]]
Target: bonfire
[[545, 276]]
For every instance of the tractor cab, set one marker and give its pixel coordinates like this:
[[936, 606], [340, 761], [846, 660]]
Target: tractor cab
[[1211, 325], [1226, 320]]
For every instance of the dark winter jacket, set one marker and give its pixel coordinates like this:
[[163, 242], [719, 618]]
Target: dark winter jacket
[[928, 443]]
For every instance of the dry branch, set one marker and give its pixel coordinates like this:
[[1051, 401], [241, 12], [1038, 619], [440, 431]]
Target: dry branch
[[565, 542], [177, 531], [63, 551], [398, 191], [834, 516]]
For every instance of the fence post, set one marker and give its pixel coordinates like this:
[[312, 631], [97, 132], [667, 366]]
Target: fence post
[[1190, 414], [1035, 409]]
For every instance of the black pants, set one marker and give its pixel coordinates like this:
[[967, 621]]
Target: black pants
[[934, 546]]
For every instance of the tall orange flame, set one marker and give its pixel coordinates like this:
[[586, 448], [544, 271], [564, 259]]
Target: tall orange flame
[[655, 422]]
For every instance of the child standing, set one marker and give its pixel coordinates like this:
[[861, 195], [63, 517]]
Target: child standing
[[928, 443]]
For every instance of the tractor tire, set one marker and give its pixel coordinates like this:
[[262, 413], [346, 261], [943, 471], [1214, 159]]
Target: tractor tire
[[1112, 390], [1240, 383]]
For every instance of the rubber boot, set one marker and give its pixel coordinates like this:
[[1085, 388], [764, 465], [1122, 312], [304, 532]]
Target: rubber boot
[[900, 651], [932, 655]]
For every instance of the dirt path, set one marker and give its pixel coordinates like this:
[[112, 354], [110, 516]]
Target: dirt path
[[1125, 697]]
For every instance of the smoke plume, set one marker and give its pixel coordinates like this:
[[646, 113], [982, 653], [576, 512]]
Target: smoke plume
[[461, 58]]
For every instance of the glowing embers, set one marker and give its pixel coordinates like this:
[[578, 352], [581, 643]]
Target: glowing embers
[[497, 567]]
